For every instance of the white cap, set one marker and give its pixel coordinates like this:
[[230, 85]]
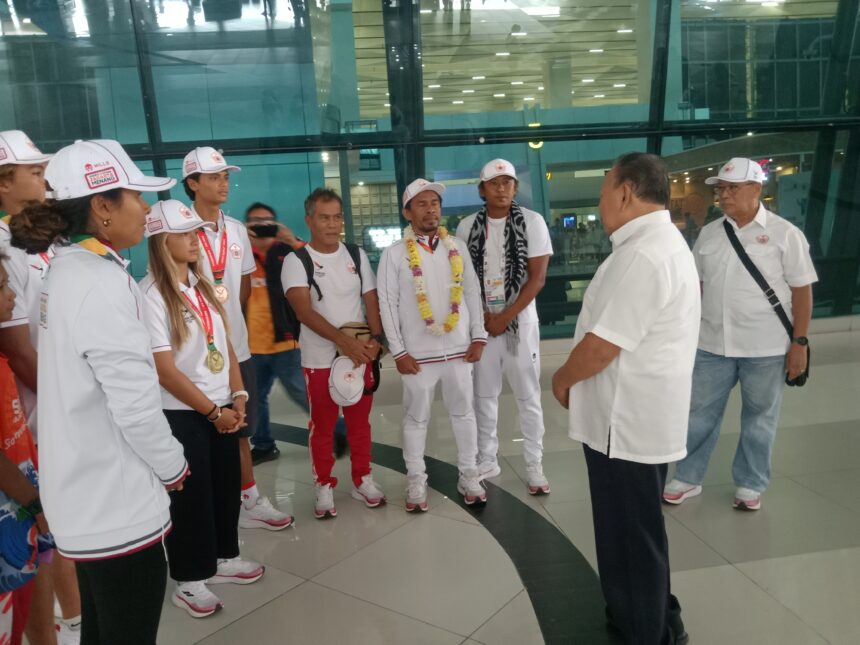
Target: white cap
[[16, 148], [172, 216], [496, 168], [345, 381], [419, 186], [206, 161], [91, 167], [738, 171]]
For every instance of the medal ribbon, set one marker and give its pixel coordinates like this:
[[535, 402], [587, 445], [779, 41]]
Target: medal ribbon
[[205, 317], [218, 267]]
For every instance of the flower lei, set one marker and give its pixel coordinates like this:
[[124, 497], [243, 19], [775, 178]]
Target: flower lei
[[456, 291]]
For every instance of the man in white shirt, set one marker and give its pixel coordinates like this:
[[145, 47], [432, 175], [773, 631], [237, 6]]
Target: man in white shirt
[[627, 385], [742, 338], [327, 291], [433, 319], [228, 261], [510, 250]]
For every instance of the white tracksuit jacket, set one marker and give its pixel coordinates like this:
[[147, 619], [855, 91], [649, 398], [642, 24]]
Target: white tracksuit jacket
[[105, 449], [405, 330]]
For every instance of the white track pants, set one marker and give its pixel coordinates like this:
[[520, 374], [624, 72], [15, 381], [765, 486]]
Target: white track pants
[[523, 374], [457, 393]]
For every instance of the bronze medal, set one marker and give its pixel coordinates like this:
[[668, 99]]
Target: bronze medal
[[215, 361], [221, 293]]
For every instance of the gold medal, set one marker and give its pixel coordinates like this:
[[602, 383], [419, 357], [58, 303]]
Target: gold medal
[[222, 293], [215, 361]]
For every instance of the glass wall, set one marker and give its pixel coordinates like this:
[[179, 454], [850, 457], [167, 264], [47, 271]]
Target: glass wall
[[366, 95]]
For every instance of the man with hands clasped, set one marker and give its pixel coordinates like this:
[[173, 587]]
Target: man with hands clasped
[[431, 311]]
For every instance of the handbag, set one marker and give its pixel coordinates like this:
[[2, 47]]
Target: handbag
[[772, 298]]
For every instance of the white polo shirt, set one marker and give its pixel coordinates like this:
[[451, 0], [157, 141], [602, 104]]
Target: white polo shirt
[[644, 298], [190, 358], [539, 245], [240, 261], [337, 277], [737, 319]]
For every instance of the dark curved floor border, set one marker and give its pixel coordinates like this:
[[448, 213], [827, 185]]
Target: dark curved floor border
[[563, 588]]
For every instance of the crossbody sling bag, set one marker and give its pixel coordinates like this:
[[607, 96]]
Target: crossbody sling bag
[[772, 298]]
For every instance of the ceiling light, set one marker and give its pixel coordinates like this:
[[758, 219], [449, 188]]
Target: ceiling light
[[428, 98], [433, 87], [540, 88], [625, 31], [619, 85], [478, 78], [588, 80], [325, 156], [361, 183], [595, 51], [426, 11], [711, 168], [499, 96], [778, 168], [535, 145], [600, 96], [686, 173], [457, 102], [750, 133], [516, 82], [534, 125], [573, 91], [528, 98], [468, 91], [519, 34], [503, 53], [386, 104], [358, 88], [674, 181], [542, 12]]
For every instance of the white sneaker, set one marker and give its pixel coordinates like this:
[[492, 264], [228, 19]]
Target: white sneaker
[[264, 516], [69, 631], [237, 571], [195, 598], [470, 486], [369, 492], [747, 499], [489, 468], [538, 484], [324, 503], [677, 491], [416, 494]]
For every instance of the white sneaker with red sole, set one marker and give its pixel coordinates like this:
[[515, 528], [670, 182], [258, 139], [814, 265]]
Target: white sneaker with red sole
[[537, 482], [237, 571], [324, 502], [369, 492], [264, 516], [196, 599], [470, 486], [747, 499], [416, 494], [677, 491]]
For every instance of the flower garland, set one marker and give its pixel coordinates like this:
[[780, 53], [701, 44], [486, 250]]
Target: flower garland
[[456, 291]]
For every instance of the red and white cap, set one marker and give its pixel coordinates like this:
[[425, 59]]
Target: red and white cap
[[172, 216], [207, 161], [419, 186], [497, 168], [345, 381], [738, 171], [91, 167], [16, 148]]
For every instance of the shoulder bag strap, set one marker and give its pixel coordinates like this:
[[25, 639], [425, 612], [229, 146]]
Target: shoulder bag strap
[[769, 293]]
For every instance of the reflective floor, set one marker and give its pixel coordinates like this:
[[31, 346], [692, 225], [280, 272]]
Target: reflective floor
[[787, 574]]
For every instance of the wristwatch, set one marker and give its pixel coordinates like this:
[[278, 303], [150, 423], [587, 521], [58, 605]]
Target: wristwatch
[[803, 341]]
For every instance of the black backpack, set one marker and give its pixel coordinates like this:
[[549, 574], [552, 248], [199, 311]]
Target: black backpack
[[308, 264]]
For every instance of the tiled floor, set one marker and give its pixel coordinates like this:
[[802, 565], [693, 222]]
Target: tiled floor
[[789, 574]]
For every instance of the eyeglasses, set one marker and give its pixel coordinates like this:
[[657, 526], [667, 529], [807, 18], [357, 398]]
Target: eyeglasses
[[731, 189]]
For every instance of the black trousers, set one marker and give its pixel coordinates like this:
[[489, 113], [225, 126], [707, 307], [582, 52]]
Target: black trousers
[[121, 597], [205, 513], [632, 548]]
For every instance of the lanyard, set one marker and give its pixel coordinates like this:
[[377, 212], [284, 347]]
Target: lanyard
[[218, 267], [434, 242], [98, 247], [204, 315]]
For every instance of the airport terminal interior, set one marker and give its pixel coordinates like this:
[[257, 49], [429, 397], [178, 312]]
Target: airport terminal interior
[[363, 96]]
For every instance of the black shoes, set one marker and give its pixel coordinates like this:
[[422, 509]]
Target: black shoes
[[260, 456]]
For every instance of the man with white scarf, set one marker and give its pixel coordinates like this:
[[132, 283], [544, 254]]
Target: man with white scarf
[[510, 248], [431, 310]]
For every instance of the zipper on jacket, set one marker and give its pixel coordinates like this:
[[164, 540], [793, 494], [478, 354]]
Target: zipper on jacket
[[608, 441]]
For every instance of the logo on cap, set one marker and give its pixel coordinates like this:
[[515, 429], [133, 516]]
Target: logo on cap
[[101, 178], [190, 165], [185, 212], [154, 225], [500, 166], [728, 167], [3, 153], [217, 158], [349, 377], [88, 167]]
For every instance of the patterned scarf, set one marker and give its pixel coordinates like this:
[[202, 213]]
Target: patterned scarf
[[516, 249]]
